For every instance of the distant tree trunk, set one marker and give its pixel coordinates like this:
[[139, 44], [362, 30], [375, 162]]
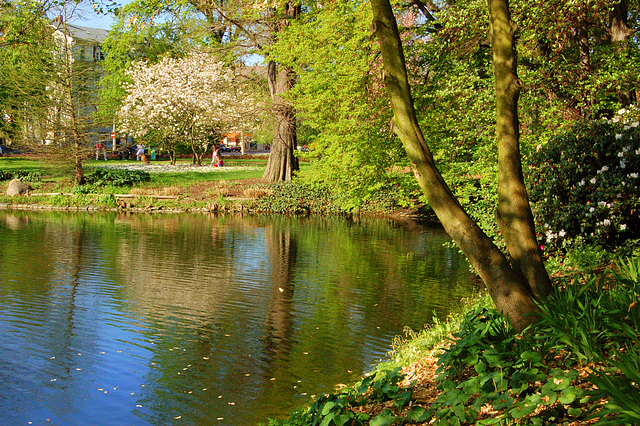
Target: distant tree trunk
[[508, 288], [282, 162], [620, 33], [514, 212]]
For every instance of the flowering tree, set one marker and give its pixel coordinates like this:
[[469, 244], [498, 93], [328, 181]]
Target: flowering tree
[[184, 100]]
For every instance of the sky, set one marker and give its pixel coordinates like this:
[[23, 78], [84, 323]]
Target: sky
[[88, 18]]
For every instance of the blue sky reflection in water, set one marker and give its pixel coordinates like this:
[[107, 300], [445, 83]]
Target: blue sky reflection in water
[[139, 319]]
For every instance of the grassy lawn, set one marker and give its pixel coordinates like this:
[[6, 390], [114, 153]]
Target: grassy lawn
[[235, 169]]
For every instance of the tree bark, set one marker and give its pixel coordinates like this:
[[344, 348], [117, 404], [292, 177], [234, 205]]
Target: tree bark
[[620, 33], [507, 287], [514, 212], [282, 162]]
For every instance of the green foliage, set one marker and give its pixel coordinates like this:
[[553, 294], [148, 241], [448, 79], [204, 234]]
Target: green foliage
[[342, 104], [23, 175], [584, 184], [336, 409], [294, 198], [117, 177], [620, 384], [475, 187], [25, 67]]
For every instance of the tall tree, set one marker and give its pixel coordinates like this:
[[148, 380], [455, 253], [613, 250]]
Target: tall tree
[[514, 212], [252, 28], [508, 287], [282, 162]]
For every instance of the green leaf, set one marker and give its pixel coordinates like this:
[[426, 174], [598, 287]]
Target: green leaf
[[383, 419], [341, 419], [417, 414], [522, 410], [327, 407], [569, 395], [327, 420]]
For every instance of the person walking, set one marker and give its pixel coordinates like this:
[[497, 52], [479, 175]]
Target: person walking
[[139, 152], [100, 149], [215, 157]]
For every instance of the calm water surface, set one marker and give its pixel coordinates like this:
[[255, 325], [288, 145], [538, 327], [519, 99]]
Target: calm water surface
[[184, 319]]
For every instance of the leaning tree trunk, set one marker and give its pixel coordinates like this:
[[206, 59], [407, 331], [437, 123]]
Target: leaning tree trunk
[[282, 162], [514, 212], [508, 288]]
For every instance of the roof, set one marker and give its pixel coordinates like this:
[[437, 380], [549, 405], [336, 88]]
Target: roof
[[86, 33]]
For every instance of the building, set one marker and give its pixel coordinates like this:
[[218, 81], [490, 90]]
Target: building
[[79, 55]]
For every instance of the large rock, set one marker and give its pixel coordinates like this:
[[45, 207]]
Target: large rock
[[17, 187]]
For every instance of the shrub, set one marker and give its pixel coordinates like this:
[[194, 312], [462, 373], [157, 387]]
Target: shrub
[[117, 177], [22, 175], [295, 198], [584, 183]]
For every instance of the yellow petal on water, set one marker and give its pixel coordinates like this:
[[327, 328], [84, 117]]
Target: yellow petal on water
[[78, 369], [100, 389], [227, 335], [306, 353], [132, 393], [119, 352], [186, 368], [53, 357], [220, 418], [247, 375], [79, 353], [190, 392], [273, 378], [281, 289], [204, 389], [177, 417], [102, 353], [53, 380], [138, 405], [205, 357], [142, 386], [220, 397], [231, 403]]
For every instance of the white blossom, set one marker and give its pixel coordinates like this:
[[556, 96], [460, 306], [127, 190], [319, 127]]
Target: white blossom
[[184, 99]]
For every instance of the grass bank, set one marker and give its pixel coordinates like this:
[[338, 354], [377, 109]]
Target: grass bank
[[131, 185], [580, 364]]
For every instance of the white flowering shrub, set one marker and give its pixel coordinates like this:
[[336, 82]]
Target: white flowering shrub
[[184, 100], [584, 184]]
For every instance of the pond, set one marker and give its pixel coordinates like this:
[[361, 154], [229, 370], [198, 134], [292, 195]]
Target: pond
[[138, 319]]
